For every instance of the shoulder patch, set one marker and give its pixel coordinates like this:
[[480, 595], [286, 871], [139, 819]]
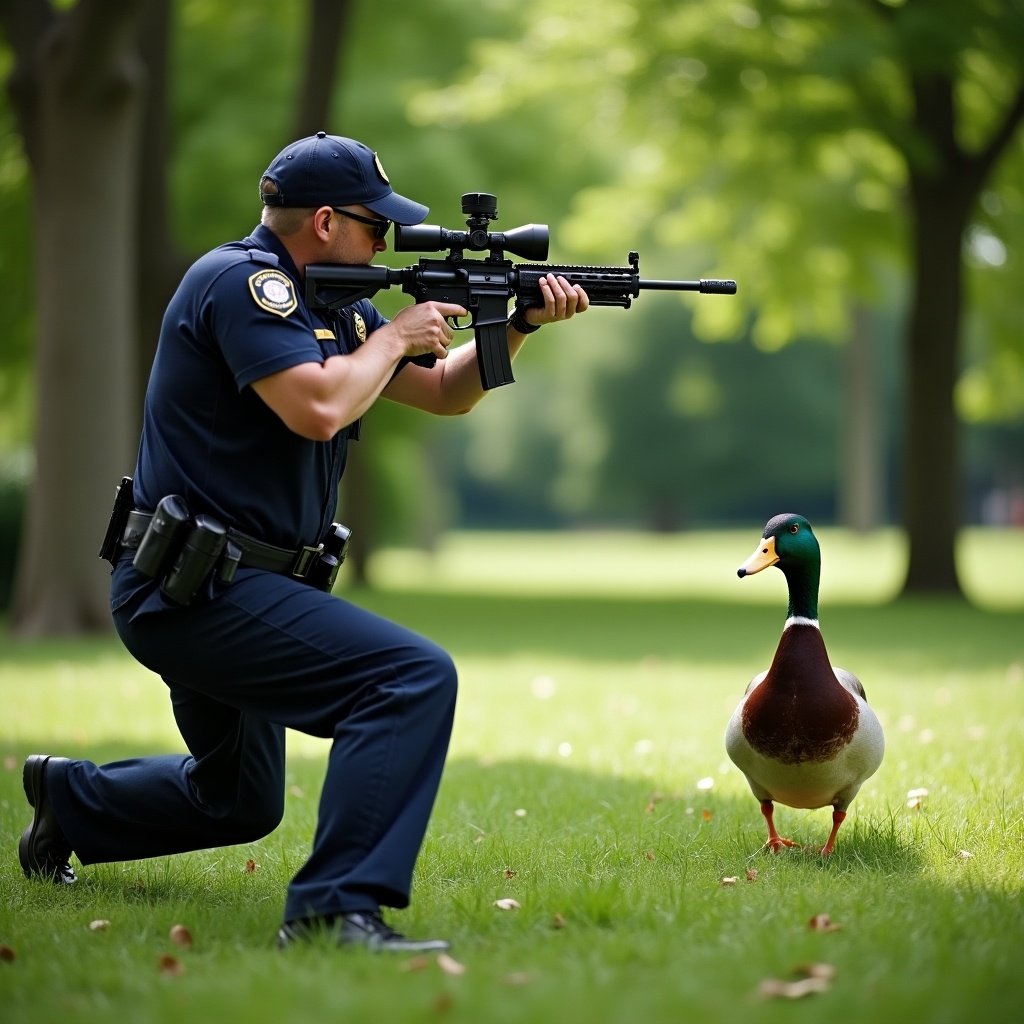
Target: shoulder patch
[[360, 326], [273, 291]]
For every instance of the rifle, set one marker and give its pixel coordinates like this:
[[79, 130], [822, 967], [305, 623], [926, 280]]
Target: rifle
[[484, 286]]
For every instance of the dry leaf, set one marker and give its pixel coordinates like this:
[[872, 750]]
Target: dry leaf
[[916, 798], [826, 971], [100, 925], [507, 904], [6, 954], [443, 1003], [509, 873], [181, 936], [771, 988], [170, 965], [751, 874], [965, 855], [706, 814], [250, 866], [730, 880], [450, 965], [558, 921], [812, 978], [415, 963], [823, 923], [649, 855]]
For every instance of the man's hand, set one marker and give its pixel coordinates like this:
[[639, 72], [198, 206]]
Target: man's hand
[[561, 301], [424, 329]]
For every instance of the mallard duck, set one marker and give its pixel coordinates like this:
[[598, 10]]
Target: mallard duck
[[803, 734]]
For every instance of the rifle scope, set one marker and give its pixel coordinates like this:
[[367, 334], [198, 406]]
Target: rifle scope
[[529, 241]]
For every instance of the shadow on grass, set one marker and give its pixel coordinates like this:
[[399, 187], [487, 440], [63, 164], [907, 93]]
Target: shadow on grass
[[703, 631], [546, 819]]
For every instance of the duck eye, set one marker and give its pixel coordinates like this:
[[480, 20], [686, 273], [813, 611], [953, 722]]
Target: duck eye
[[794, 528]]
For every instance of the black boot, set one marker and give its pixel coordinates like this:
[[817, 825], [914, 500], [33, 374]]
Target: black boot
[[44, 850], [356, 929]]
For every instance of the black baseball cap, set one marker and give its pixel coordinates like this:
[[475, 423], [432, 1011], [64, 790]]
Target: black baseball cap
[[330, 170]]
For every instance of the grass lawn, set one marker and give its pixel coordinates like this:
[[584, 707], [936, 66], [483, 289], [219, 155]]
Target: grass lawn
[[587, 781]]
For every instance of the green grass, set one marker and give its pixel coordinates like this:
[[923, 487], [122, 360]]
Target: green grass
[[597, 675]]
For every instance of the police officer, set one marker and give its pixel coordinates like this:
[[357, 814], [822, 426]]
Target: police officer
[[251, 404]]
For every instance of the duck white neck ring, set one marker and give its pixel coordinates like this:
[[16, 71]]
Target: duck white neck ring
[[800, 620]]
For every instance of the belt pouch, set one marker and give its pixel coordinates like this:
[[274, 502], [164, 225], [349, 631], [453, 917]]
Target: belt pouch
[[118, 518], [195, 560], [162, 537]]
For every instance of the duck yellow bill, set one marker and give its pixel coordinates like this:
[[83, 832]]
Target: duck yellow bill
[[763, 557]]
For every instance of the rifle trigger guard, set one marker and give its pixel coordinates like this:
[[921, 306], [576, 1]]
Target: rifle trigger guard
[[453, 323]]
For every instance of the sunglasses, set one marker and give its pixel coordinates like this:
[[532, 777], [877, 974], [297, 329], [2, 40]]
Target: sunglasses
[[380, 227]]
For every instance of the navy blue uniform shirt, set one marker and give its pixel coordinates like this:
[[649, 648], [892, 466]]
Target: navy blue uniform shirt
[[239, 315]]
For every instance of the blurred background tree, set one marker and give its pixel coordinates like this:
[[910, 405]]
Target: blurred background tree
[[805, 147]]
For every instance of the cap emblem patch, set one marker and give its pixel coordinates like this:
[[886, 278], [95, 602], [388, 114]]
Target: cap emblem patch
[[274, 292], [380, 169]]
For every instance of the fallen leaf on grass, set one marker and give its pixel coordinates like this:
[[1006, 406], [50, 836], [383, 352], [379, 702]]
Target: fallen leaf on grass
[[751, 874], [965, 854], [509, 873], [415, 963], [706, 814], [823, 923], [507, 904], [772, 988], [7, 954], [557, 921], [100, 925], [170, 966], [450, 965], [649, 855], [730, 880], [812, 979], [916, 798], [181, 936], [250, 867]]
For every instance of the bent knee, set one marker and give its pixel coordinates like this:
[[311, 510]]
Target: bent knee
[[255, 821]]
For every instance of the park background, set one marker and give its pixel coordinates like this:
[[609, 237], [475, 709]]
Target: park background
[[858, 167]]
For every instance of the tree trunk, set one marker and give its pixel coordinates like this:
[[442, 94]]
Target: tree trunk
[[161, 263], [931, 462], [861, 498], [77, 101]]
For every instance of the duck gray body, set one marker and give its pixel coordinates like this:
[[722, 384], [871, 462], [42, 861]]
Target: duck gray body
[[803, 734]]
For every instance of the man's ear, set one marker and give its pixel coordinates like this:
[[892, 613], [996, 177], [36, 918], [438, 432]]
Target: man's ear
[[322, 222]]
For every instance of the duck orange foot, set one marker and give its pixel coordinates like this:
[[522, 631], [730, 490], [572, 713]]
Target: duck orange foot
[[775, 842]]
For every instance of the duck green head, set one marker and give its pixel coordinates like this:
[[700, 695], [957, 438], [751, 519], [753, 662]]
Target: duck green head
[[789, 543]]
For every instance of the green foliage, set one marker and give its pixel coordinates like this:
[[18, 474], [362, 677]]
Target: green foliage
[[588, 719], [773, 136]]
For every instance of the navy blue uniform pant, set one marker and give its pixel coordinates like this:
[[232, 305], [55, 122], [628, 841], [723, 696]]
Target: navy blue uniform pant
[[266, 654]]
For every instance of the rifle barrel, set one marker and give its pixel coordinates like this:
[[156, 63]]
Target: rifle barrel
[[706, 286]]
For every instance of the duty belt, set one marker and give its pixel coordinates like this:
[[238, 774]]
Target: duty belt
[[255, 553]]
